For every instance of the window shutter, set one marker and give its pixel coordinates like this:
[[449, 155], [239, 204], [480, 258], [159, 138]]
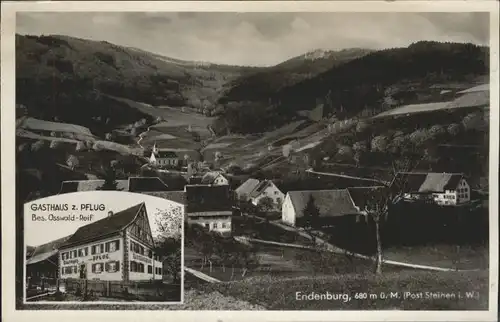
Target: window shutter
[[117, 244], [102, 248], [117, 266], [107, 247], [93, 267], [92, 250], [106, 267]]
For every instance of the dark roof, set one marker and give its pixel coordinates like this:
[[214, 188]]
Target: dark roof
[[105, 226], [166, 155], [195, 180], [426, 182], [89, 185], [176, 196], [144, 184], [331, 203], [204, 198], [45, 251], [360, 195]]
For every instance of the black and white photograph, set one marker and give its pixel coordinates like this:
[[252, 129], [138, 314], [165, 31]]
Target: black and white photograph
[[256, 159], [105, 247]]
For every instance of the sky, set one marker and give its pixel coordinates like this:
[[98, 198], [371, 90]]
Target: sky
[[256, 39], [40, 232]]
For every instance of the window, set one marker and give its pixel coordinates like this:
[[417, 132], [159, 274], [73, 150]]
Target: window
[[113, 246], [113, 266], [215, 225], [150, 254], [102, 248], [97, 268], [223, 225], [141, 268], [150, 269], [276, 192], [133, 266], [207, 225]]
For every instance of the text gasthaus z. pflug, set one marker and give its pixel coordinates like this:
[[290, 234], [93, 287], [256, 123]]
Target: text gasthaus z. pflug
[[64, 212]]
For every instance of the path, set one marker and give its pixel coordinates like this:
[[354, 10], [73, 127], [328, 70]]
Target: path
[[346, 176], [201, 275], [335, 249]]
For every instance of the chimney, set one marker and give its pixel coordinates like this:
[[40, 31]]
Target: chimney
[[110, 213]]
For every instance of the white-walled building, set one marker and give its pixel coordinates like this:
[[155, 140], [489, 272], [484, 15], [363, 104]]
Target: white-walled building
[[444, 189], [210, 207], [163, 157], [116, 248], [254, 190], [214, 178]]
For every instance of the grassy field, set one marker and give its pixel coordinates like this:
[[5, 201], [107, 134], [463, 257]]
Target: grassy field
[[446, 256], [30, 123], [280, 294]]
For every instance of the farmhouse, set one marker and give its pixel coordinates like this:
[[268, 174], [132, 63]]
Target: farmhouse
[[332, 205], [118, 247], [42, 260], [209, 206], [254, 190], [162, 157], [214, 178], [444, 189]]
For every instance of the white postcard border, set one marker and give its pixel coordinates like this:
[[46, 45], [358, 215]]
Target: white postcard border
[[8, 161]]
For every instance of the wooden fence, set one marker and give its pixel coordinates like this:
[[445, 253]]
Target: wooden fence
[[134, 290]]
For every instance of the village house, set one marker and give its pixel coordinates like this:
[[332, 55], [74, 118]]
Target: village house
[[254, 190], [444, 189], [163, 158], [42, 261], [116, 248], [214, 178], [335, 206], [210, 206]]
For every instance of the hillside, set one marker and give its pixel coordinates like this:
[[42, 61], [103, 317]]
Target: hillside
[[62, 78], [266, 82], [372, 83]]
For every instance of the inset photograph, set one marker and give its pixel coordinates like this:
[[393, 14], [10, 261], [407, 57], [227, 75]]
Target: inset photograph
[[103, 247]]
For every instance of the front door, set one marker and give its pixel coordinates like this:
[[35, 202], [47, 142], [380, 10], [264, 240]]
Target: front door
[[83, 271]]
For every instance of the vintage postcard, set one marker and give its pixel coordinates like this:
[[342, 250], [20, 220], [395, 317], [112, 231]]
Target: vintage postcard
[[250, 160]]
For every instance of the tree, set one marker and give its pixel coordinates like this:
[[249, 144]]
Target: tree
[[311, 217], [72, 162], [379, 143], [55, 144], [453, 129], [38, 146], [109, 180], [419, 137], [377, 207], [168, 245], [80, 146], [436, 131], [265, 204], [109, 137], [473, 121]]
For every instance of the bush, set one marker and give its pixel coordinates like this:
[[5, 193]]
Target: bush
[[453, 129], [379, 143]]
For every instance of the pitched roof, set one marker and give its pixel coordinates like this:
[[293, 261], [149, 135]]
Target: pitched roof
[[45, 251], [247, 187], [331, 203], [205, 198], [426, 182], [175, 196], [166, 155], [89, 185], [209, 177], [195, 180], [145, 184], [105, 226], [259, 188]]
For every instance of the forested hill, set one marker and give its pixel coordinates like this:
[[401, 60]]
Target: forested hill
[[61, 76], [369, 82], [267, 81]]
